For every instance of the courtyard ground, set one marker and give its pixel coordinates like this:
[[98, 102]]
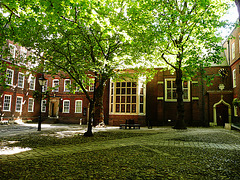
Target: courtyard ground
[[61, 152]]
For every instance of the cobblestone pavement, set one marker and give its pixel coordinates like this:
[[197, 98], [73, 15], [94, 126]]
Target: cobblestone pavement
[[204, 138]]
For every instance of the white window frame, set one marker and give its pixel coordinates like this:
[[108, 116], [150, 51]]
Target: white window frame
[[32, 106], [44, 88], [23, 53], [234, 75], [8, 77], [43, 105], [76, 101], [32, 82], [19, 105], [65, 85], [12, 50], [68, 109], [9, 103], [233, 50], [113, 98], [23, 78], [53, 85], [175, 100]]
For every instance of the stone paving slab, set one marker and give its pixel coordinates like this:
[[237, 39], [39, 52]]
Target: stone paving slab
[[161, 139]]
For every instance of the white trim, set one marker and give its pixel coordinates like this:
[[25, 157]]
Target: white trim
[[32, 80], [233, 50], [215, 111], [234, 78], [22, 80], [32, 109], [65, 88], [76, 106], [175, 100], [12, 50], [11, 83], [64, 106], [53, 85], [20, 104], [44, 88], [9, 109]]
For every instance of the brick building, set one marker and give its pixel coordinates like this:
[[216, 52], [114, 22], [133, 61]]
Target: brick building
[[153, 103]]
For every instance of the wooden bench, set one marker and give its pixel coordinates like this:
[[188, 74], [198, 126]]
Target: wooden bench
[[129, 124]]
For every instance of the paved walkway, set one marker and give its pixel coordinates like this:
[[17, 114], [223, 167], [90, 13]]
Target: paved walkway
[[221, 139]]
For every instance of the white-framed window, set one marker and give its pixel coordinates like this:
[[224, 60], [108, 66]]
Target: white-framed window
[[91, 87], [7, 102], [32, 82], [55, 85], [21, 78], [12, 50], [23, 53], [171, 90], [127, 98], [44, 88], [9, 77], [234, 78], [78, 106], [233, 50], [67, 83], [44, 106], [30, 105], [66, 106], [19, 101]]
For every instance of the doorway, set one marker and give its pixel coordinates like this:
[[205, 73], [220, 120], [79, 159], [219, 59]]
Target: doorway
[[53, 108], [222, 114]]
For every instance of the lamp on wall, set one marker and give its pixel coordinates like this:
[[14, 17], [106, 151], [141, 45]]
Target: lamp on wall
[[42, 82]]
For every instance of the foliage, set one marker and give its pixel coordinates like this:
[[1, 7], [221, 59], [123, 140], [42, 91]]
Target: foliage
[[183, 36], [236, 102], [84, 39]]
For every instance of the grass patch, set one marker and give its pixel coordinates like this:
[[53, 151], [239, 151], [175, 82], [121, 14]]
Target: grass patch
[[132, 162]]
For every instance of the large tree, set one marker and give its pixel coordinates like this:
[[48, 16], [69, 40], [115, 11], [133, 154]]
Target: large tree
[[183, 36], [84, 39]]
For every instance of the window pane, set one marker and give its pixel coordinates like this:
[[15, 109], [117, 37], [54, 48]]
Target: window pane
[[123, 90], [185, 94], [168, 84], [19, 104], [133, 108], [123, 99], [141, 108], [134, 84], [111, 99], [117, 99], [174, 94], [141, 99], [134, 99], [118, 84], [185, 84], [174, 84], [117, 108], [7, 102], [128, 108], [169, 94], [128, 90], [123, 84], [128, 99], [128, 84], [122, 107], [134, 90], [118, 91], [111, 108]]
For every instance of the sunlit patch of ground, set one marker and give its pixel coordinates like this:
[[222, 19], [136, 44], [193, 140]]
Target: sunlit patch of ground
[[68, 133], [5, 150]]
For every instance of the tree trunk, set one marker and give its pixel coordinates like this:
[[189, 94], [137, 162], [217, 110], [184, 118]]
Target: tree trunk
[[180, 124], [91, 117], [98, 115]]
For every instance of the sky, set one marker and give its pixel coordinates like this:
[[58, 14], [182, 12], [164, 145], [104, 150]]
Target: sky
[[231, 16]]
